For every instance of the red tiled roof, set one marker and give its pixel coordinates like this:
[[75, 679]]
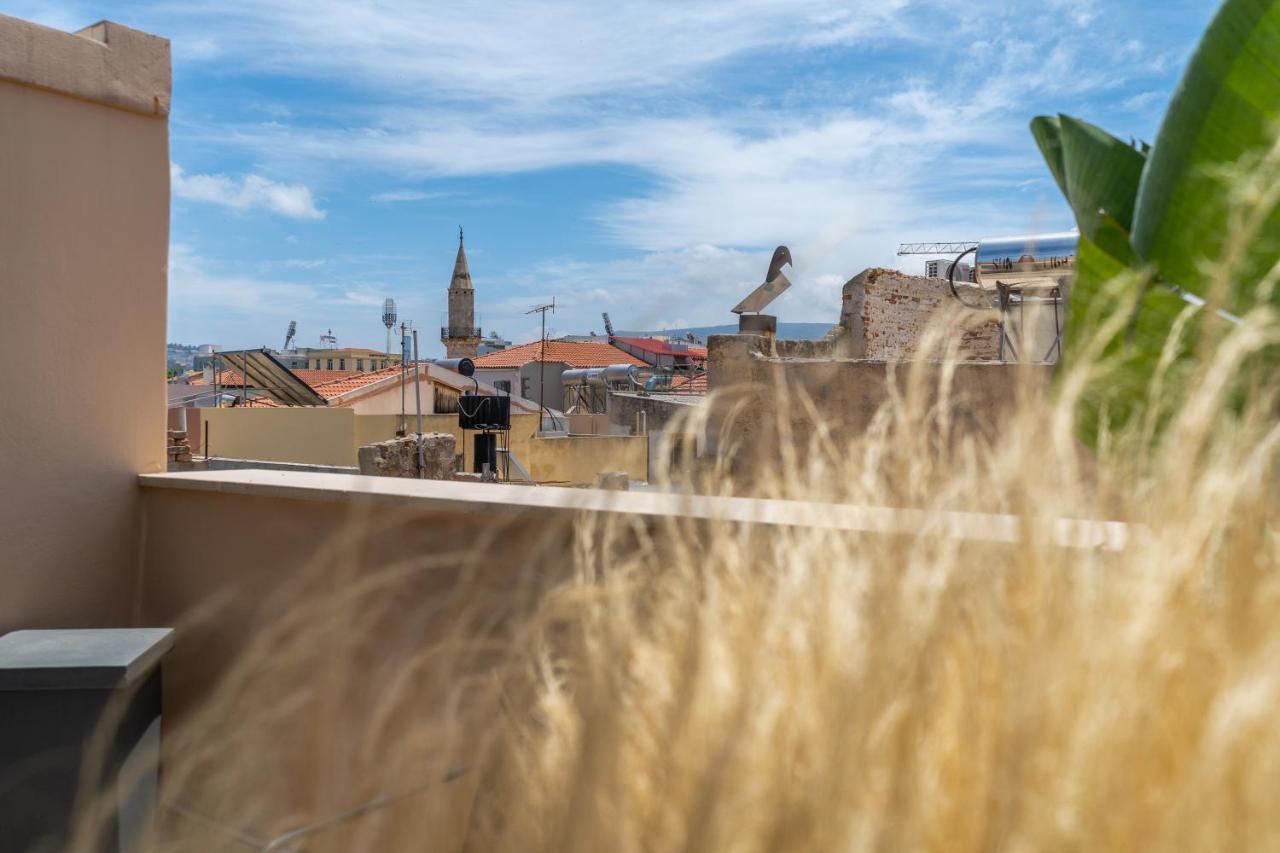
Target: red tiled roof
[[572, 353], [313, 378], [664, 347], [351, 382], [690, 384]]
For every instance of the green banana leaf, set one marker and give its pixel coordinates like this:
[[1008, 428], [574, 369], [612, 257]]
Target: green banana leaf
[[1102, 175], [1096, 172], [1047, 131], [1223, 114]]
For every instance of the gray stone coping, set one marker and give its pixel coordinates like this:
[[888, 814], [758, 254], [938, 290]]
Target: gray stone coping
[[80, 659]]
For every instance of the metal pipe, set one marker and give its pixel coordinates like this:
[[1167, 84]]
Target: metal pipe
[[417, 396], [404, 426]]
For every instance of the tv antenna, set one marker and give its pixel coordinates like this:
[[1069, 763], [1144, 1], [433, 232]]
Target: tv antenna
[[289, 335], [389, 319], [542, 355], [775, 284], [329, 340]]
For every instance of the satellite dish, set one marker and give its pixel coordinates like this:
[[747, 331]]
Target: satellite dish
[[775, 284]]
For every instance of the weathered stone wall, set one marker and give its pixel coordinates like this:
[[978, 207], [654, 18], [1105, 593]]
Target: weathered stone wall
[[885, 313], [399, 457], [761, 402]]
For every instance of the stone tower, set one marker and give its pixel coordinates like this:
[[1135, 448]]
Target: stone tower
[[461, 338]]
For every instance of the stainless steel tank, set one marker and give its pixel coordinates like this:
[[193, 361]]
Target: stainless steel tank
[[1025, 259], [622, 374]]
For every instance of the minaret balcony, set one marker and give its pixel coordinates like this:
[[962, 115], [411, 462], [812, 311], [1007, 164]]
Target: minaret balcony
[[452, 334]]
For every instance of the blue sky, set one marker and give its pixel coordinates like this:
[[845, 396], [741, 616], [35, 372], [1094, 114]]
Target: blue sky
[[640, 158]]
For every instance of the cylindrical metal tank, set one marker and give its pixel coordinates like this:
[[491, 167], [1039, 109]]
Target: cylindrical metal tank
[[1032, 257], [620, 373], [582, 376]]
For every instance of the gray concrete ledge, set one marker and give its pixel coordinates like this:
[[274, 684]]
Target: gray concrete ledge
[[106, 63], [501, 499], [80, 659]]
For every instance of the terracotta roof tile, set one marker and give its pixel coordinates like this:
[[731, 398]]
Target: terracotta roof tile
[[572, 353], [690, 384], [343, 385], [314, 378]]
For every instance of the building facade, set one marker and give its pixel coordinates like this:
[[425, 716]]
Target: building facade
[[342, 358], [461, 338]]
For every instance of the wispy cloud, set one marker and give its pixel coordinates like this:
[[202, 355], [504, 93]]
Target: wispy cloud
[[838, 128], [404, 195], [247, 193]]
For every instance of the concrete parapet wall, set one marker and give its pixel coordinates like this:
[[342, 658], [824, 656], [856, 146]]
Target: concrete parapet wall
[[325, 436], [579, 459], [760, 399], [105, 63], [84, 246]]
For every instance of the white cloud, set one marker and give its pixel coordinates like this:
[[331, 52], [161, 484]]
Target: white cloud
[[247, 193], [841, 165], [517, 51], [403, 195]]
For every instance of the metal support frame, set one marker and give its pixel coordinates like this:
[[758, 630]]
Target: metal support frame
[[1013, 297]]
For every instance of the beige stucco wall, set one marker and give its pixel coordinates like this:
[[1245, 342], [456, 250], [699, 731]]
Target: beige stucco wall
[[386, 401], [325, 436], [84, 238], [312, 436], [278, 558], [580, 458]]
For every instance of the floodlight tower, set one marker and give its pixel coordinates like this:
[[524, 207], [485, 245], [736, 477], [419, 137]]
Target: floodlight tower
[[389, 319]]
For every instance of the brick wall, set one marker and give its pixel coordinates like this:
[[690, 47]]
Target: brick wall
[[884, 314]]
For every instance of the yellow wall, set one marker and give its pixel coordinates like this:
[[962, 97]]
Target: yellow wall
[[314, 436], [580, 458], [321, 436], [347, 356], [84, 243]]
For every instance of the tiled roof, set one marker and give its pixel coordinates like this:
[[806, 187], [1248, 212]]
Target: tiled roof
[[664, 347], [261, 403], [350, 382], [696, 384], [572, 353], [313, 378]]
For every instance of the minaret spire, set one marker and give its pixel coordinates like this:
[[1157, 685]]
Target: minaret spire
[[460, 337]]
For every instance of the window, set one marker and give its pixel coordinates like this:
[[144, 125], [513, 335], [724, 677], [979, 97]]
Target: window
[[359, 364], [503, 385], [330, 364], [342, 364], [384, 364], [317, 364]]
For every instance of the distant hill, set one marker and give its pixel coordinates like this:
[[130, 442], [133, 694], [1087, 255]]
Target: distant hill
[[790, 331]]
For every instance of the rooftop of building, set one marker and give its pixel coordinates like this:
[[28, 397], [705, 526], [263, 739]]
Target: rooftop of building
[[572, 353], [665, 347], [696, 384]]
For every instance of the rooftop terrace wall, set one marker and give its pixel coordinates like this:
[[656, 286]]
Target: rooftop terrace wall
[[84, 242]]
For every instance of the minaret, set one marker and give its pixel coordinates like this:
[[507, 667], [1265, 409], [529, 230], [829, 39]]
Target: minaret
[[461, 338]]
